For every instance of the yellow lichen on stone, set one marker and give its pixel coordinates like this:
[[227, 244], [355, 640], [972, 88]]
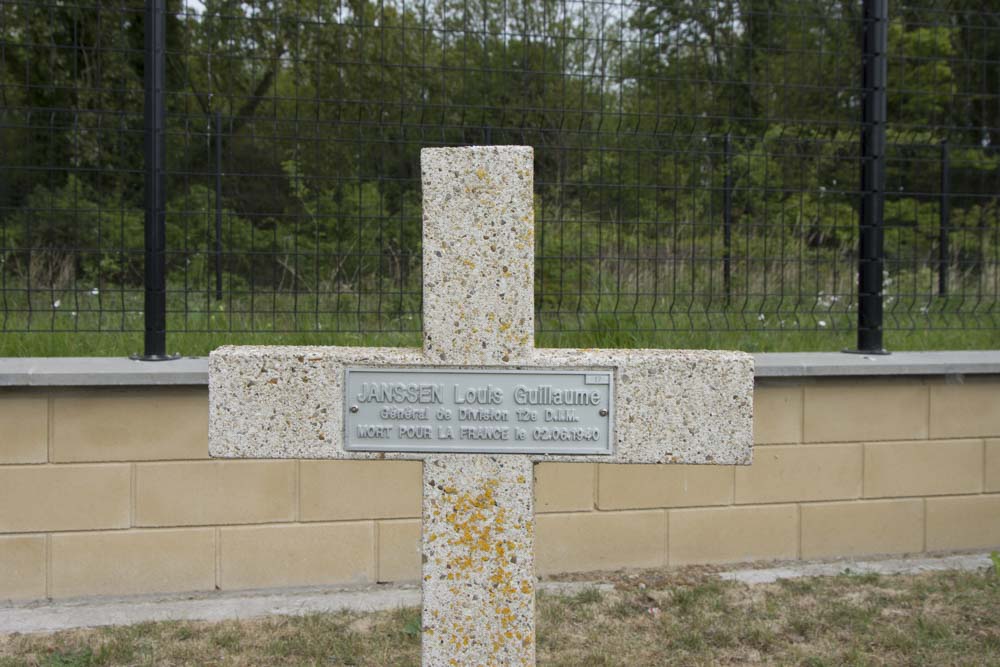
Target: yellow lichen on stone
[[478, 534]]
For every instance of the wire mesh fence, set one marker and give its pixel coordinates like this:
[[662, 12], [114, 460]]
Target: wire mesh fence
[[697, 164]]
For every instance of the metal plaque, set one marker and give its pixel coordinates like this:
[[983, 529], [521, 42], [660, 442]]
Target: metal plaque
[[476, 411]]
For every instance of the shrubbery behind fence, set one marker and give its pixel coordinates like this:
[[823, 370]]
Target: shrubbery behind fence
[[698, 165]]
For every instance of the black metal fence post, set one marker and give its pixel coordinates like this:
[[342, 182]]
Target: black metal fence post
[[727, 218], [875, 40], [944, 221], [154, 150], [218, 205]]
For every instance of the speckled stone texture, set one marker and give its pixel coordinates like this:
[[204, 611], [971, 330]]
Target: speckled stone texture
[[478, 573], [671, 406], [479, 254]]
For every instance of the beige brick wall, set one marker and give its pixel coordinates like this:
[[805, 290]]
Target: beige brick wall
[[992, 482], [297, 554], [134, 426], [111, 492], [581, 541], [206, 493], [24, 428], [859, 528], [362, 490], [124, 562], [733, 534]]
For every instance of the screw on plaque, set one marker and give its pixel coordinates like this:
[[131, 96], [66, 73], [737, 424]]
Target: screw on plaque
[[354, 408], [603, 413]]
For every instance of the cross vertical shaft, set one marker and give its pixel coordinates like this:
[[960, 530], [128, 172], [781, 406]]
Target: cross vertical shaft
[[478, 515], [478, 255], [478, 570]]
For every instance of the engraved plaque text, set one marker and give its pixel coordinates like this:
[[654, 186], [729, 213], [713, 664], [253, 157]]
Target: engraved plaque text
[[477, 411]]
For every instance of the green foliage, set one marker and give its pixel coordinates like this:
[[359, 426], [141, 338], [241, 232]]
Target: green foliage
[[324, 107], [372, 235], [587, 596], [923, 84], [412, 625], [81, 236]]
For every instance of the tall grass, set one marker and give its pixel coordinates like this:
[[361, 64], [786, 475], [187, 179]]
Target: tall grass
[[596, 285]]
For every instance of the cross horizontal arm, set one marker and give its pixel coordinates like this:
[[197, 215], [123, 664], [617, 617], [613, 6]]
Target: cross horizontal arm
[[671, 406]]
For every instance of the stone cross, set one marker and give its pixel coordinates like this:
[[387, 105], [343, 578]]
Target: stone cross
[[668, 406]]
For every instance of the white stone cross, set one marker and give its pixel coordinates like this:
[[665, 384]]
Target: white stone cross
[[670, 406]]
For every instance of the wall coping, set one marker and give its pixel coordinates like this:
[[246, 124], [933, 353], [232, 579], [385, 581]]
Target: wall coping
[[193, 371], [100, 372], [827, 364]]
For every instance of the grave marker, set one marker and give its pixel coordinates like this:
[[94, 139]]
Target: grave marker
[[522, 405]]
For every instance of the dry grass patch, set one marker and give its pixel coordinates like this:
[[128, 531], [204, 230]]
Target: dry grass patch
[[948, 618], [686, 617], [388, 638]]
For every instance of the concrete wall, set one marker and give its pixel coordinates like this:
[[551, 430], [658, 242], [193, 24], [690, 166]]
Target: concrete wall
[[109, 491]]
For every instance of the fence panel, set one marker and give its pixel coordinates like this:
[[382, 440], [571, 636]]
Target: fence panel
[[697, 164]]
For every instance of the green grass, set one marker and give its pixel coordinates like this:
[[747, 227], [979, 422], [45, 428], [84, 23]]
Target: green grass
[[781, 310], [117, 344], [598, 283], [655, 617]]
